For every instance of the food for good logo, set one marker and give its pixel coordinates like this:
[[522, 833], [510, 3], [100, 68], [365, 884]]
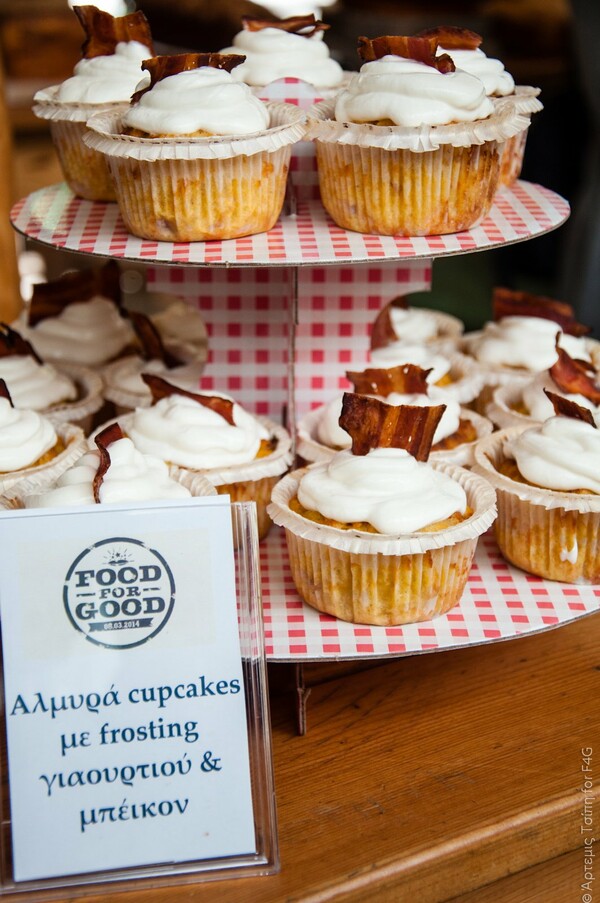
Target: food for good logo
[[119, 593]]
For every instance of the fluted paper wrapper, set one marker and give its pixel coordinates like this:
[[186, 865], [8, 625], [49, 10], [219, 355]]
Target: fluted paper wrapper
[[44, 474], [525, 102], [542, 531], [81, 411], [378, 579], [313, 451], [501, 410]]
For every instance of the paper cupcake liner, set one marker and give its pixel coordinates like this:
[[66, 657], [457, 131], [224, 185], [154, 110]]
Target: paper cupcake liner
[[79, 412], [42, 475], [376, 579], [85, 170], [50, 108], [524, 100], [548, 533], [511, 159], [501, 411]]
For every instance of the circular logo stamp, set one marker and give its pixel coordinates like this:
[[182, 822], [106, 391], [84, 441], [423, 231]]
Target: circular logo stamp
[[119, 593]]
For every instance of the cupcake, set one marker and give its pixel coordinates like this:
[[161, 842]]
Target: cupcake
[[453, 372], [212, 437], [196, 156], [285, 48], [547, 478], [72, 395], [526, 403], [32, 446], [463, 46], [108, 74], [377, 535], [521, 340], [398, 322], [320, 434], [78, 318], [114, 472], [411, 146]]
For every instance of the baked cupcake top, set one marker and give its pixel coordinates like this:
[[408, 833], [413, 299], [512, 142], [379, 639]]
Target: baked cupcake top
[[193, 430], [288, 48], [384, 479], [524, 330], [402, 82], [114, 472], [31, 383], [111, 67], [78, 318], [562, 453], [463, 47], [194, 94], [25, 435]]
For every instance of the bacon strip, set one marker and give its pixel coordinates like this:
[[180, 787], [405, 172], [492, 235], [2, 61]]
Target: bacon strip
[[406, 379], [305, 26], [151, 341], [423, 50], [160, 388], [574, 377], [566, 408], [105, 438], [104, 32], [12, 343], [509, 303], [49, 299], [374, 424], [451, 37], [382, 333], [4, 393], [161, 67]]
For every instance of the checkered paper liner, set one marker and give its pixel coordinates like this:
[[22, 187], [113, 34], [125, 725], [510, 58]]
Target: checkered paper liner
[[500, 602]]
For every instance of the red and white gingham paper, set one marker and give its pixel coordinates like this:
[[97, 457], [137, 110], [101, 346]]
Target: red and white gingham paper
[[499, 602]]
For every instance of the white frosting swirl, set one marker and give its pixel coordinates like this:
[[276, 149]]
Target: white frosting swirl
[[410, 93], [34, 385], [114, 7], [87, 332], [199, 99], [131, 477], [330, 433], [496, 80], [24, 437], [527, 342], [272, 53], [413, 325], [106, 79], [401, 352], [182, 431], [386, 488], [537, 402], [562, 454]]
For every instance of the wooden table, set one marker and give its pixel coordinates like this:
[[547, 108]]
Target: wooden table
[[430, 778]]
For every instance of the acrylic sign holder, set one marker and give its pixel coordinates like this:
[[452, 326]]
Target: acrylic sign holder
[[288, 312]]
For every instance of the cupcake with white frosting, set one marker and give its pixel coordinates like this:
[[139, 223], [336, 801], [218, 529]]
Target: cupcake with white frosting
[[107, 75], [287, 48], [397, 321], [547, 478], [377, 535], [196, 156], [454, 372], [320, 434], [411, 146]]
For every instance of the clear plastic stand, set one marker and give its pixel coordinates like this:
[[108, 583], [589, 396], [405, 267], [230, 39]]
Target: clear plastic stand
[[65, 761]]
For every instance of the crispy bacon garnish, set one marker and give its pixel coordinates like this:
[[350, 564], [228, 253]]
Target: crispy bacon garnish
[[374, 424], [12, 343], [104, 32], [161, 67], [49, 299], [160, 388], [509, 303], [305, 26], [4, 393], [574, 377], [452, 37], [150, 340], [383, 333], [565, 408], [422, 50], [406, 379], [105, 438]]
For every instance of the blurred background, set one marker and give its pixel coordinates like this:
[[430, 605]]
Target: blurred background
[[552, 44]]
